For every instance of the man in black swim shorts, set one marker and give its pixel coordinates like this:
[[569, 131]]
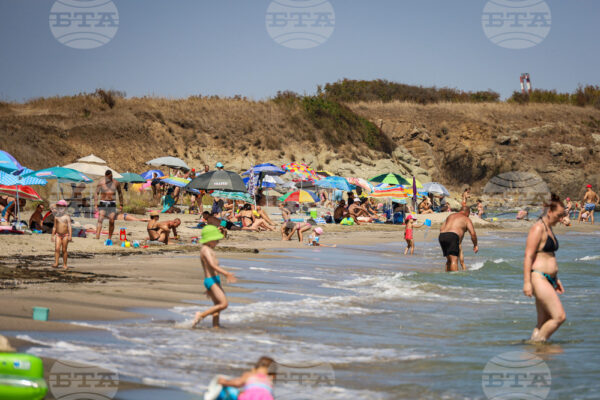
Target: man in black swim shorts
[[451, 236], [105, 202]]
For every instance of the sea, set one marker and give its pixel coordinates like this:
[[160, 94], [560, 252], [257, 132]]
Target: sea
[[367, 322]]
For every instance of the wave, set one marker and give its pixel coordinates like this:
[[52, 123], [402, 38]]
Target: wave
[[588, 258]]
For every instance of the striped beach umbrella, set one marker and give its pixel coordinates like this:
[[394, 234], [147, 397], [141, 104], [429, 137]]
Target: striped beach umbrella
[[303, 171], [392, 179], [300, 196], [392, 192], [362, 183], [176, 181]]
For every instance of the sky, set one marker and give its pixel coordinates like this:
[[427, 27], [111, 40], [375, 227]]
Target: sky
[[178, 48]]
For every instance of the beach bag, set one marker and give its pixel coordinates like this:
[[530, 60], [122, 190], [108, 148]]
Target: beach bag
[[347, 221]]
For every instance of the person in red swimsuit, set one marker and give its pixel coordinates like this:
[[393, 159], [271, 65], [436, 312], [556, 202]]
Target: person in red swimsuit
[[408, 234]]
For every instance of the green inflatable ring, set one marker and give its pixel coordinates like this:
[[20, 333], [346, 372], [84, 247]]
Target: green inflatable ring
[[21, 377]]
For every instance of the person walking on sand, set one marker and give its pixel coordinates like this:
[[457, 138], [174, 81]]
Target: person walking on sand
[[451, 236], [589, 203], [540, 271], [212, 281], [408, 234], [61, 233], [104, 200]]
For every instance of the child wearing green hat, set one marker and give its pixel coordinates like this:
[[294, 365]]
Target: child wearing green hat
[[210, 238]]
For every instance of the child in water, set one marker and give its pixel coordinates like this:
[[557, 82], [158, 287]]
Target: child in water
[[408, 234], [256, 384], [313, 240], [212, 281], [61, 233]]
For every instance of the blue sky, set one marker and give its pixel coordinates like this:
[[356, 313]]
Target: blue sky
[[177, 48]]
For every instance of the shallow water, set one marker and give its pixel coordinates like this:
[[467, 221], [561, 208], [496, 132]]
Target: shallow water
[[383, 325]]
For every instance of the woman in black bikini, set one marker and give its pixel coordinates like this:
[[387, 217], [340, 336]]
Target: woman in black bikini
[[153, 228], [540, 272]]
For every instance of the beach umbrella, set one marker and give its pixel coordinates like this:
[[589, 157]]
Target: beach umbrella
[[176, 181], [362, 183], [300, 196], [436, 188], [265, 169], [8, 163], [335, 182], [10, 180], [392, 179], [392, 192], [17, 191], [303, 171], [93, 170], [227, 181], [325, 174], [233, 196], [130, 177], [92, 159], [171, 162], [61, 174], [151, 174]]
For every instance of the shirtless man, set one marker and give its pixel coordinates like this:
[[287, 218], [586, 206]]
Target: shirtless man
[[589, 203], [340, 212], [160, 231], [105, 204], [451, 236]]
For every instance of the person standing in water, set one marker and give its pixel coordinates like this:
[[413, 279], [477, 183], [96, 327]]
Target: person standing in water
[[451, 236], [408, 234], [212, 281], [540, 271], [589, 203]]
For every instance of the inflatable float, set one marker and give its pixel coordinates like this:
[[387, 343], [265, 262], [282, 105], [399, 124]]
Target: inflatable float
[[21, 377]]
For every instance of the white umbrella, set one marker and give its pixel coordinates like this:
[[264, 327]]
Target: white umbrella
[[92, 159], [436, 188], [93, 170], [171, 162]]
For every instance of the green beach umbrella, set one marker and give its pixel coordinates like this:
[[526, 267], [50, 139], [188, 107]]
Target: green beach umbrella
[[233, 196], [61, 174], [391, 179], [130, 177]]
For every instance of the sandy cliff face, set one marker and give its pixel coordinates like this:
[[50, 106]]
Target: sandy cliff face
[[456, 144], [468, 144]]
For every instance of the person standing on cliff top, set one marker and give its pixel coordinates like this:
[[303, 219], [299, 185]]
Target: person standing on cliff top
[[589, 203]]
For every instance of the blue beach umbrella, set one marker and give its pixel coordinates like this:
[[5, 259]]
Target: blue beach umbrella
[[265, 169], [8, 163], [335, 182], [151, 174]]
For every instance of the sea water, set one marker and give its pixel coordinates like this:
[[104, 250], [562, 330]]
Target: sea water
[[377, 324]]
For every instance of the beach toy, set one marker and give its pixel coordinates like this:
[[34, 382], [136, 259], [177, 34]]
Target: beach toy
[[123, 234], [427, 222], [40, 313], [494, 219], [313, 213], [126, 244], [136, 244], [21, 377], [108, 242]]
